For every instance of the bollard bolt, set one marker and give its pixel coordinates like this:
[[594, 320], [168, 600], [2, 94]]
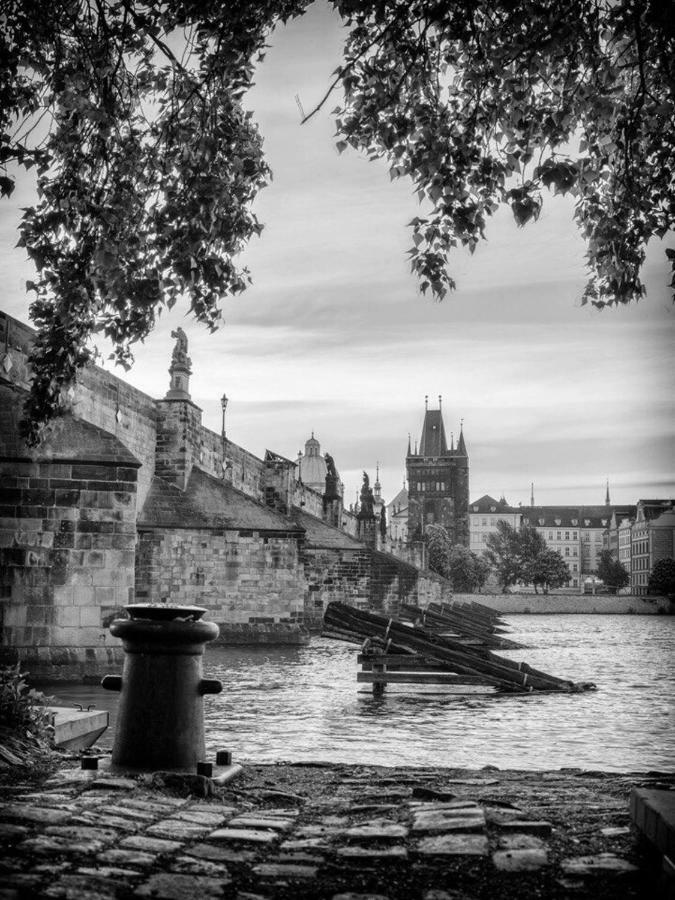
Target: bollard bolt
[[204, 768], [224, 758], [210, 686], [89, 762], [112, 682]]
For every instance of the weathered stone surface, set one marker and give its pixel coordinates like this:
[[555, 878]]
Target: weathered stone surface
[[9, 831], [352, 896], [309, 843], [199, 815], [219, 854], [191, 865], [111, 783], [179, 831], [78, 833], [521, 842], [123, 858], [149, 844], [171, 886], [523, 860], [154, 804], [48, 844], [247, 835], [39, 814], [372, 853], [284, 871], [184, 784], [615, 831], [600, 864], [108, 872], [81, 887], [137, 815], [249, 821], [541, 828], [421, 792], [441, 820], [454, 845], [117, 822], [376, 830], [356, 808]]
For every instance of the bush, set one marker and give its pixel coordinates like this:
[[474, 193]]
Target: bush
[[26, 731]]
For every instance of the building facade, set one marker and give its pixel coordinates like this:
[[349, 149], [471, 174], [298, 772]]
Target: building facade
[[484, 514], [652, 539], [438, 482]]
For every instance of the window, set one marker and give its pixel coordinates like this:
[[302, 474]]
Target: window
[[550, 535], [483, 521], [575, 551], [567, 551], [567, 535], [557, 535], [492, 520], [575, 568], [575, 535]]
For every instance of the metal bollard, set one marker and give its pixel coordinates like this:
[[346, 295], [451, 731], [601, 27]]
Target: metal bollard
[[160, 723]]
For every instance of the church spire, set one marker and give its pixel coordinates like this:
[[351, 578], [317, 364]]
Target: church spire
[[532, 493], [461, 446], [409, 452], [607, 500]]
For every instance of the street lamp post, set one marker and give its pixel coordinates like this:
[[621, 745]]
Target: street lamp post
[[223, 405]]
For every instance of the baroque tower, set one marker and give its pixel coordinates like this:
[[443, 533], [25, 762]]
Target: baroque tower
[[438, 481]]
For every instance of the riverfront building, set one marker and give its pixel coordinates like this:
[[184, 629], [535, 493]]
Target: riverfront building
[[652, 538], [484, 514]]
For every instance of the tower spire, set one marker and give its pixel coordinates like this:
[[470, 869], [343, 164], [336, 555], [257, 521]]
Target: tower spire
[[607, 500], [532, 493], [461, 446], [408, 443]]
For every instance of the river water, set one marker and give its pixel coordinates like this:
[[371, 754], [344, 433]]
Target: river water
[[299, 704]]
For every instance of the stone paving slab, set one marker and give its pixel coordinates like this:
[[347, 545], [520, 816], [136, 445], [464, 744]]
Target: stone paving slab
[[405, 834], [520, 860], [453, 845]]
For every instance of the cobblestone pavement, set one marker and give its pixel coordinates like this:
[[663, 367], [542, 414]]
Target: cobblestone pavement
[[338, 832]]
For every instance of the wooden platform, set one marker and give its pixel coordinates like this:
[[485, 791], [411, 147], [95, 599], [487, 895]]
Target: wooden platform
[[75, 729]]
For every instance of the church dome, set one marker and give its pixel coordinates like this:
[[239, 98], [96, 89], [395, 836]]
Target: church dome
[[313, 466]]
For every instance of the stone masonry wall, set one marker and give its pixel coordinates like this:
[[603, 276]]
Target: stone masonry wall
[[67, 535], [100, 398], [238, 576]]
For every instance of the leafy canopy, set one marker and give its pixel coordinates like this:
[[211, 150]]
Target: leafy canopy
[[513, 553], [549, 570], [662, 578], [612, 572], [147, 162]]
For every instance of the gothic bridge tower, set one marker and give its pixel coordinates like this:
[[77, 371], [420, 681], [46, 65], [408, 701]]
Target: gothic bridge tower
[[438, 481]]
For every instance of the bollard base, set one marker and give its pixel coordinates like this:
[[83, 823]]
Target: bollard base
[[219, 775]]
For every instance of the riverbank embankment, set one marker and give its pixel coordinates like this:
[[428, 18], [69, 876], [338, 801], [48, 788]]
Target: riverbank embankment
[[328, 831], [589, 604]]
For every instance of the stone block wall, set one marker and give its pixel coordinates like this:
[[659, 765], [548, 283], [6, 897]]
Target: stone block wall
[[67, 537], [335, 574], [239, 576], [100, 398]]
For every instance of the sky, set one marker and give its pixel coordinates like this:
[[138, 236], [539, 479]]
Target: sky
[[334, 336]]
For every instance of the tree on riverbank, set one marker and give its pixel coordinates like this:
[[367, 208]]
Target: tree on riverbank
[[549, 570], [466, 570], [662, 578], [612, 572], [147, 161], [511, 553]]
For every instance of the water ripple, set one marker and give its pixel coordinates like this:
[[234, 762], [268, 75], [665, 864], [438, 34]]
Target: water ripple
[[303, 704]]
